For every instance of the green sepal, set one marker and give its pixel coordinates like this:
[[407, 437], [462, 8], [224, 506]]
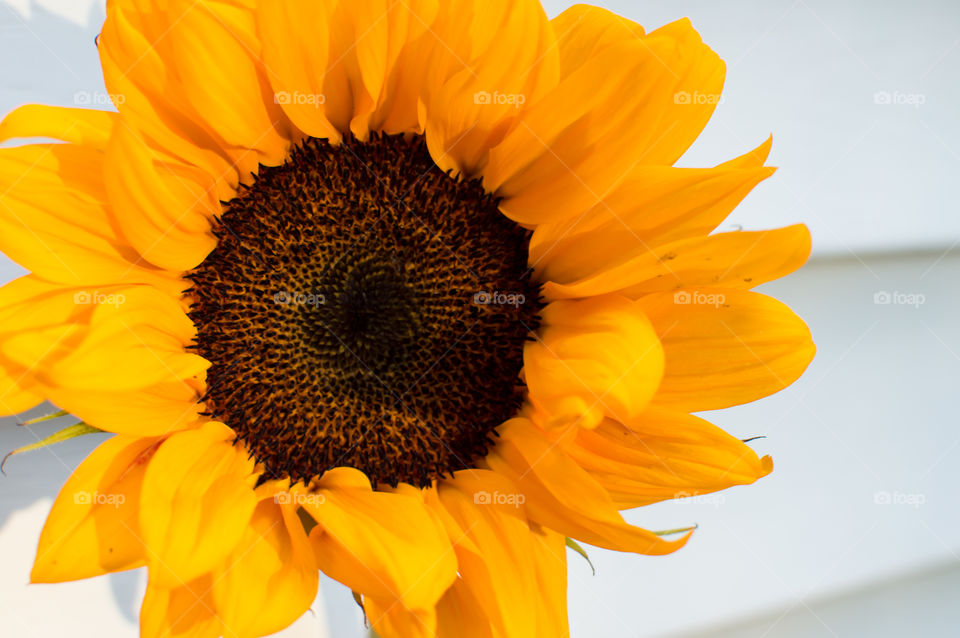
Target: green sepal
[[71, 432]]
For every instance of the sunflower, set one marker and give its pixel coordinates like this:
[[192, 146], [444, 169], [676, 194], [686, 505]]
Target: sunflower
[[409, 293]]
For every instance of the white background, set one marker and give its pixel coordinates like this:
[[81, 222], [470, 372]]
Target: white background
[[811, 550]]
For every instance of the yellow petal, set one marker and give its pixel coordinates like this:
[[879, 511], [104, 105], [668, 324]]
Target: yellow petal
[[136, 338], [592, 358], [92, 528], [207, 38], [150, 411], [54, 219], [579, 142], [655, 205], [135, 56], [17, 394], [168, 206], [388, 546], [180, 611], [725, 347], [459, 615], [483, 93], [200, 489], [562, 496], [737, 260], [270, 578], [665, 454], [85, 127], [379, 64]]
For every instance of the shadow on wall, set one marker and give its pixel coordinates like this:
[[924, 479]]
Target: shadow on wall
[[38, 476], [49, 58]]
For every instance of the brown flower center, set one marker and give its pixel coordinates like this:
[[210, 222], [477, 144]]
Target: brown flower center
[[364, 309]]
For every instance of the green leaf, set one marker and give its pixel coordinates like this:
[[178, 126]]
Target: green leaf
[[575, 546], [72, 432]]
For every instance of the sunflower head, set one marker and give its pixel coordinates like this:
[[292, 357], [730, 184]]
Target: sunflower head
[[409, 293]]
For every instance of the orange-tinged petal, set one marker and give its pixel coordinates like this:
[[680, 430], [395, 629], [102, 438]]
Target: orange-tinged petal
[[725, 347], [296, 45], [496, 565], [180, 611], [390, 619], [583, 139], [408, 62], [737, 260], [562, 496], [199, 486], [85, 127], [388, 546], [549, 551], [584, 30], [270, 578], [486, 87], [664, 454], [93, 527], [595, 357]]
